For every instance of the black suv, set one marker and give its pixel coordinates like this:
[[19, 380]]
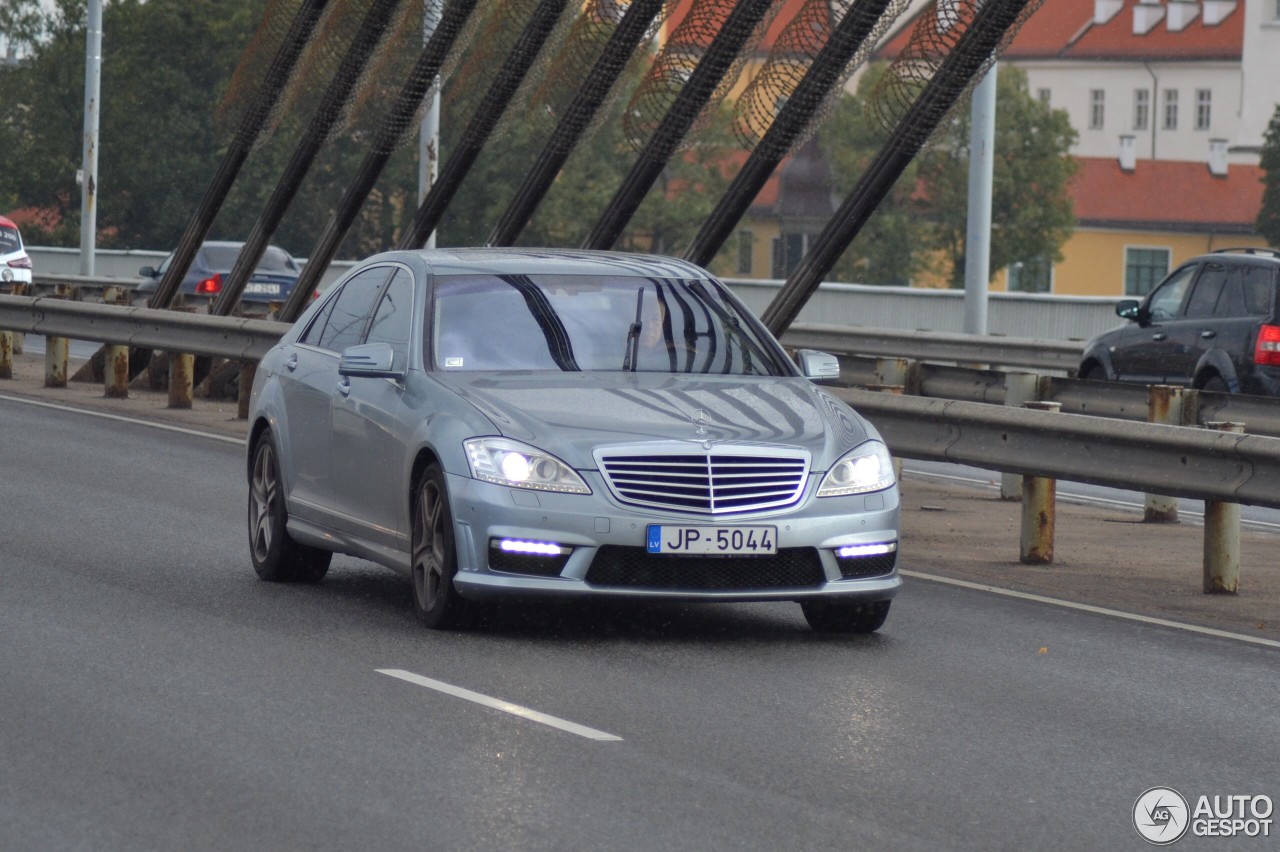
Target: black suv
[[1211, 324]]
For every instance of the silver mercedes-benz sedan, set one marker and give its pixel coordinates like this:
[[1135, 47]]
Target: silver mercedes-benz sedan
[[526, 422]]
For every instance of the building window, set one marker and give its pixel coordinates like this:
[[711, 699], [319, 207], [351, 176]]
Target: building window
[[745, 244], [788, 251], [1141, 108], [1031, 276], [1043, 94], [1204, 108], [1144, 268], [1097, 108], [1170, 109]]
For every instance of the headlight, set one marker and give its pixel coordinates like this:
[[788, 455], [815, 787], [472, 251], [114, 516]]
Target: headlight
[[521, 466], [867, 468]]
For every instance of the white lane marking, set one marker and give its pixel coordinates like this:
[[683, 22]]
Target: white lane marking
[[498, 704], [1096, 610], [105, 416]]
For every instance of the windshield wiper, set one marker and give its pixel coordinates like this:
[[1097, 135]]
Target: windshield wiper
[[633, 337]]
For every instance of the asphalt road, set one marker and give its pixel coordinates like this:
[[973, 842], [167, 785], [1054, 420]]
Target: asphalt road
[[155, 695]]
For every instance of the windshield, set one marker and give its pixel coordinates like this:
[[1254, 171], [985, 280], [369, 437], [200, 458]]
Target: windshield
[[595, 323]]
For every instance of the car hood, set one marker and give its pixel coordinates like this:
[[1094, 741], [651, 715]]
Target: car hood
[[572, 414]]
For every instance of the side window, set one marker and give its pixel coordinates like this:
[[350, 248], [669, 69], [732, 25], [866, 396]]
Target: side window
[[1257, 285], [1209, 286], [349, 316], [394, 317], [1167, 298], [313, 333]]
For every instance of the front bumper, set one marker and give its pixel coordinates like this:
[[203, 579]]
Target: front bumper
[[582, 524]]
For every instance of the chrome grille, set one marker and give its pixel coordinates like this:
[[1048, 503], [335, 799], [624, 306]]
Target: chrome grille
[[718, 482]]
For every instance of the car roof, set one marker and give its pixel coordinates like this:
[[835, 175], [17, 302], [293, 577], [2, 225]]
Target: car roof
[[499, 261], [8, 223]]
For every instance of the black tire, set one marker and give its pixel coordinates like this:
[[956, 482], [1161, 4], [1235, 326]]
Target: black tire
[[276, 556], [829, 617], [1215, 384], [1095, 373], [436, 600]]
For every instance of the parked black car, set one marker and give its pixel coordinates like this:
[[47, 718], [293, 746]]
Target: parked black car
[[1213, 323], [271, 282]]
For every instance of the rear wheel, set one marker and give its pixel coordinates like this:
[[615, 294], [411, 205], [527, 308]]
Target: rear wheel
[[436, 601], [1215, 384], [1094, 373], [829, 617], [276, 556]]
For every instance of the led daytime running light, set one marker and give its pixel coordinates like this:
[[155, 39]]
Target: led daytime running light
[[530, 548], [854, 551]]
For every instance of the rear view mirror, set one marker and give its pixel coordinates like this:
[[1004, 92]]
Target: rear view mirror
[[1128, 309], [371, 361], [147, 272], [818, 366]]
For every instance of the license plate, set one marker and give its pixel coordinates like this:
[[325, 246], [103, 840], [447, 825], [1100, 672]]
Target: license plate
[[719, 541], [267, 289]]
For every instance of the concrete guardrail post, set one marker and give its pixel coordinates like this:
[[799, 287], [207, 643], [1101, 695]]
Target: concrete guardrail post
[[115, 365], [893, 372], [6, 354], [1222, 535], [1039, 508], [57, 350], [1164, 405], [1019, 389], [182, 368]]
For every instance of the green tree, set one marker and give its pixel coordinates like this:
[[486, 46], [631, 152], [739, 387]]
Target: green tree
[[923, 222], [1269, 215]]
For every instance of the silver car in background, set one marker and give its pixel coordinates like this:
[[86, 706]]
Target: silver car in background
[[523, 422]]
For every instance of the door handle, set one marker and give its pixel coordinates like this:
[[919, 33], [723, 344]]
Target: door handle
[[1159, 335], [1208, 334], [291, 363], [344, 386]]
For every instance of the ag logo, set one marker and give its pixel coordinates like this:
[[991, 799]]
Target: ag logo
[[1161, 815]]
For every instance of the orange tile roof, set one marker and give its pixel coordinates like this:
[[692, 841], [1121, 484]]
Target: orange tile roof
[[1115, 39], [1064, 28], [1166, 194], [787, 10]]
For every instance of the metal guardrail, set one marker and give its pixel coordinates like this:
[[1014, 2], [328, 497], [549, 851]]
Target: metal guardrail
[[961, 348], [224, 337], [1173, 460]]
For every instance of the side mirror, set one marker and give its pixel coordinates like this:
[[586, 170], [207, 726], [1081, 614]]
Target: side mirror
[[147, 272], [1129, 309], [370, 361], [818, 366]]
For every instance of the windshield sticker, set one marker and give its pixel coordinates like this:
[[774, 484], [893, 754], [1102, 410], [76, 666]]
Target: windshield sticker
[[453, 362]]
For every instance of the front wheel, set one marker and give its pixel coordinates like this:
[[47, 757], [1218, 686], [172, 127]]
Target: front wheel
[[829, 617], [276, 556], [436, 601], [1094, 373]]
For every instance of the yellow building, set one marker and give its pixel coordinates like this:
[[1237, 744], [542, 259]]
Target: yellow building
[[1137, 220]]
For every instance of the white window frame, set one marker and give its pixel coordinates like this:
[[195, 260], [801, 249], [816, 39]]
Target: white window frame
[[1141, 109], [1204, 109], [1170, 121], [1097, 109]]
